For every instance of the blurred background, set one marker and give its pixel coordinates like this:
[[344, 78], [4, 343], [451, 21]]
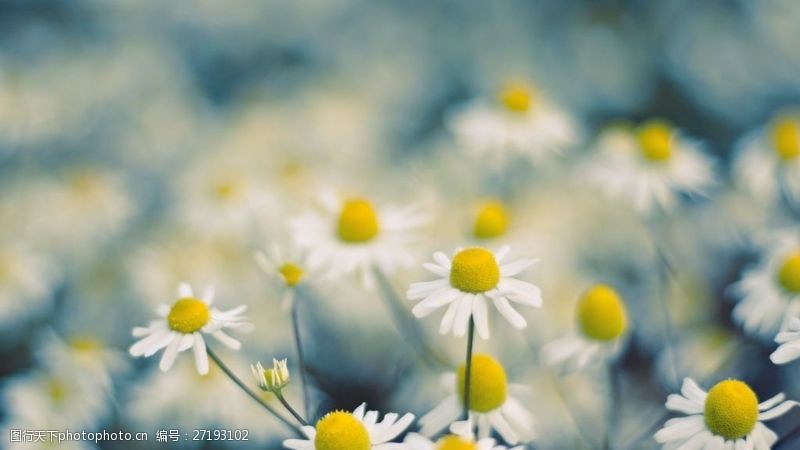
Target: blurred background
[[144, 143]]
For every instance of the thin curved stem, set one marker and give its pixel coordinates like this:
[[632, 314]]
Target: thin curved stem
[[289, 408], [248, 391], [301, 360], [468, 367]]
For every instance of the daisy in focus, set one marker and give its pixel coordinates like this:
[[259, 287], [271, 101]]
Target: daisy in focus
[[520, 121], [789, 340], [769, 292], [766, 163], [359, 430], [468, 282], [649, 166], [602, 323], [356, 236], [460, 438], [183, 325], [727, 416], [490, 405]]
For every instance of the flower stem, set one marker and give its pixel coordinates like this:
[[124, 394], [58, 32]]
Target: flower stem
[[468, 367], [613, 404], [301, 360], [289, 408], [248, 391]]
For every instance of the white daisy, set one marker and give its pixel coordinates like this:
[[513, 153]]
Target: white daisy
[[288, 267], [766, 163], [726, 417], [27, 281], [360, 430], [85, 356], [520, 122], [491, 406], [472, 278], [769, 292], [182, 327], [789, 340], [356, 236], [461, 438], [602, 320], [648, 167]]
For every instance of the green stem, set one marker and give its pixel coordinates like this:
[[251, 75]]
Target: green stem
[[301, 360], [248, 391], [289, 408], [468, 367]]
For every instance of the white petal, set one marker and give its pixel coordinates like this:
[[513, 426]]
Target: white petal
[[168, 358], [200, 356], [509, 312], [481, 316], [516, 267], [184, 290], [463, 315], [228, 341], [778, 411]]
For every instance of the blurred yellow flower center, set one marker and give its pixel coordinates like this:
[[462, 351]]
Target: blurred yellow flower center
[[516, 98], [358, 221], [487, 384], [789, 273], [228, 189], [455, 443], [56, 390], [731, 409], [341, 431], [601, 314], [474, 270], [491, 221], [85, 344], [655, 140], [291, 273], [786, 137], [188, 315]]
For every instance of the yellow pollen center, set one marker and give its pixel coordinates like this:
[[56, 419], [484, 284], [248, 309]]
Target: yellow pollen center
[[358, 221], [601, 314], [487, 384], [474, 270], [786, 137], [789, 273], [731, 409], [516, 98], [491, 221], [188, 315], [455, 443], [341, 431], [655, 140], [291, 273]]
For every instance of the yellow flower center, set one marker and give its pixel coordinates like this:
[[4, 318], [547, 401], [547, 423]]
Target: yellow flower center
[[731, 409], [789, 273], [291, 273], [341, 431], [56, 390], [455, 443], [786, 137], [228, 189], [474, 270], [516, 98], [358, 221], [487, 384], [655, 140], [601, 314], [188, 315], [491, 221], [85, 344]]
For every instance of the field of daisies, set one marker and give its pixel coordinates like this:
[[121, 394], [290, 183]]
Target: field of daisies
[[400, 225]]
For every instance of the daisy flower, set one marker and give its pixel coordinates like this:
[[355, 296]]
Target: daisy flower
[[769, 292], [726, 417], [789, 340], [491, 406], [27, 281], [649, 166], [359, 430], [461, 438], [472, 278], [766, 163], [183, 325], [520, 121], [356, 236], [602, 322]]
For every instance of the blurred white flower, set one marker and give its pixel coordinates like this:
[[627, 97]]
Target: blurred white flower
[[490, 404], [769, 293], [288, 267], [519, 122], [789, 340], [725, 417], [27, 280], [603, 322], [767, 164], [360, 430], [82, 356], [356, 236], [648, 167], [182, 327], [461, 438], [471, 279]]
